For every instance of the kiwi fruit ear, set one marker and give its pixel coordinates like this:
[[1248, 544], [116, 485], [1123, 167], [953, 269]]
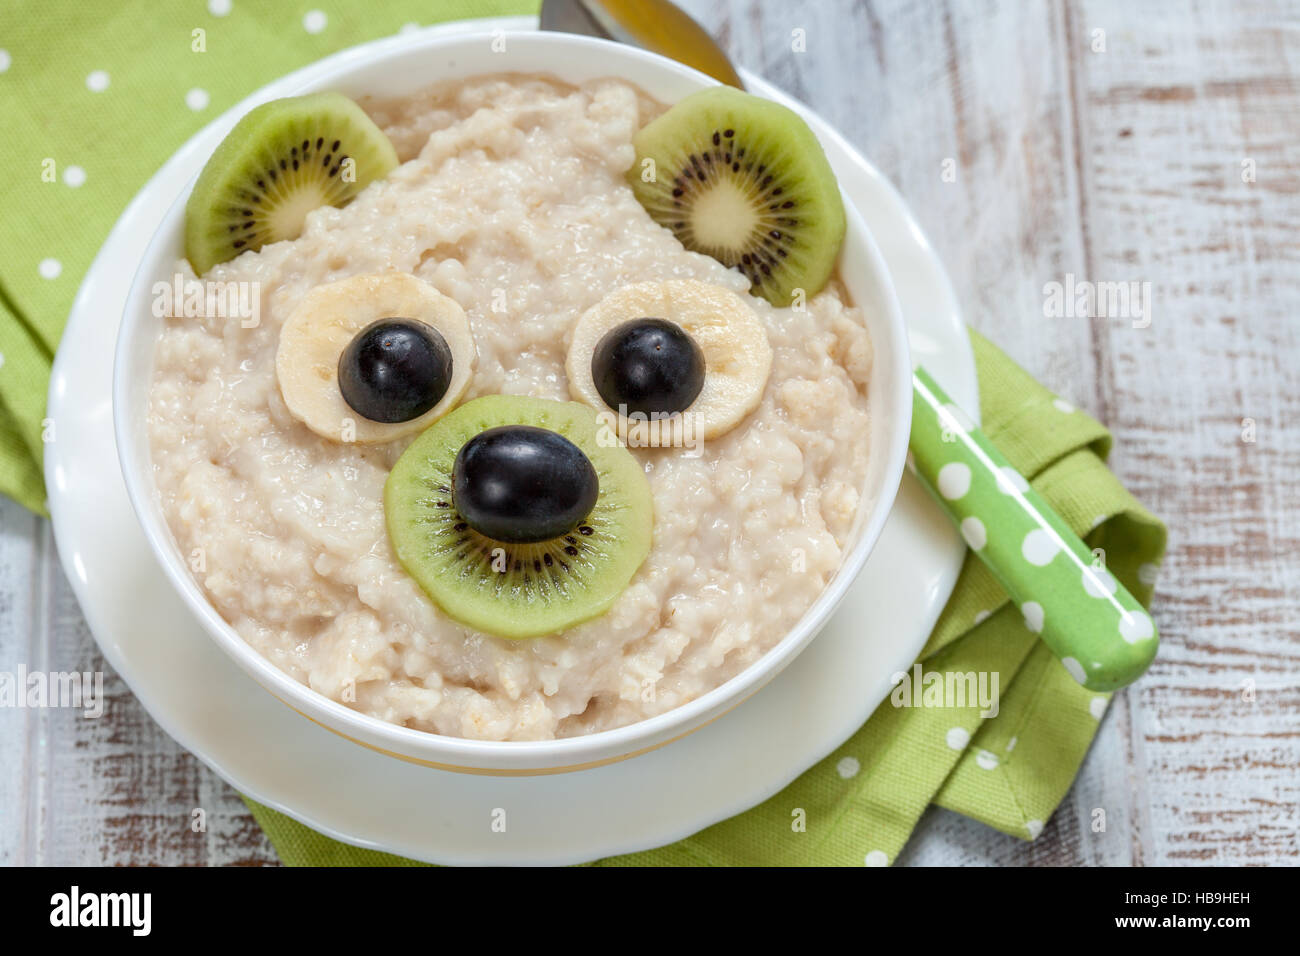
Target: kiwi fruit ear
[[520, 588], [744, 180], [281, 161]]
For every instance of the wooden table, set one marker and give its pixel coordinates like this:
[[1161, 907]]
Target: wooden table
[[1108, 141]]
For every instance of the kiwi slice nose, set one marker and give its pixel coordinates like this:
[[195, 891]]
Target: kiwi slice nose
[[469, 500]]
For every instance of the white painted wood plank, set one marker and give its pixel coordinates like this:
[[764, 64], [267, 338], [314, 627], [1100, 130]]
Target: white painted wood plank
[[119, 790], [1168, 114], [18, 537]]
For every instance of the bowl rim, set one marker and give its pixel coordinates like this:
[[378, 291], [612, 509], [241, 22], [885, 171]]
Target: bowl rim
[[492, 756]]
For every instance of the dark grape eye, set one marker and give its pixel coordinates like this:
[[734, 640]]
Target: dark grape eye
[[648, 366], [395, 370], [521, 483]]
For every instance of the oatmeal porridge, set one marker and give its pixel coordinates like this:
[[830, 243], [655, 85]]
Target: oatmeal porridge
[[511, 199]]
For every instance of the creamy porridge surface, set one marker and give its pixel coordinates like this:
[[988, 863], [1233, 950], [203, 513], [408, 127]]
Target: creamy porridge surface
[[511, 200]]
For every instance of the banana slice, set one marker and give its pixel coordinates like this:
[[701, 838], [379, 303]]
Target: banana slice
[[329, 317], [737, 357]]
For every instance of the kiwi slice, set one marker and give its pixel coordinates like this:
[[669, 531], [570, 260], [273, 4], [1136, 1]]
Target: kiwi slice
[[518, 589], [281, 161], [744, 180]]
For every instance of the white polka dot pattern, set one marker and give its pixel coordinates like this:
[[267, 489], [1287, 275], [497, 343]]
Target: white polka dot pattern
[[1083, 612]]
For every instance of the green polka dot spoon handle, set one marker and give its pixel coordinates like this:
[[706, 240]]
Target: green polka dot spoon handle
[[1098, 631]]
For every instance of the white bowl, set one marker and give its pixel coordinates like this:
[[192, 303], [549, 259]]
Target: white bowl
[[381, 70]]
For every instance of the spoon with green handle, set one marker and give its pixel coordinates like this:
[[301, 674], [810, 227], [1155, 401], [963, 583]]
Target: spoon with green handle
[[1096, 628]]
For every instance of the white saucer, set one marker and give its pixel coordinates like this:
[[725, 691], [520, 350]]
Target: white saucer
[[200, 697]]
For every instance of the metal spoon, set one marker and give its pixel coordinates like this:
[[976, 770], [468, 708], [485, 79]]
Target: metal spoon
[[1098, 630], [663, 28]]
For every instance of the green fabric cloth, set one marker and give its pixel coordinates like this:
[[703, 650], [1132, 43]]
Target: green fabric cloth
[[96, 96]]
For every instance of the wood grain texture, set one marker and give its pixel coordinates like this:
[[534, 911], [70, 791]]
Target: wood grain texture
[[107, 791], [1118, 164], [1168, 115]]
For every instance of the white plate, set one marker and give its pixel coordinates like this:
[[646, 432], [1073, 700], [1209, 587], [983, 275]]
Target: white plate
[[212, 708]]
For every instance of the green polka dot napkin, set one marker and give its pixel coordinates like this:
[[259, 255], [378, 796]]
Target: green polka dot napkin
[[97, 96]]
